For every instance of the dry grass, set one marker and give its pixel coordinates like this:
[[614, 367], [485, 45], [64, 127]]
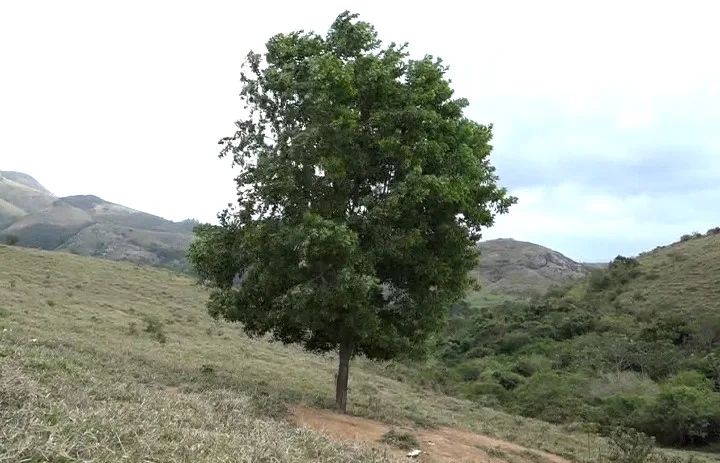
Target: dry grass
[[684, 275], [84, 376]]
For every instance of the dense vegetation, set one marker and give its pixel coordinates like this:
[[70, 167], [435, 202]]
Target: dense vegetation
[[615, 350]]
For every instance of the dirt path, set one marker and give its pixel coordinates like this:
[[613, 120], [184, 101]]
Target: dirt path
[[438, 445]]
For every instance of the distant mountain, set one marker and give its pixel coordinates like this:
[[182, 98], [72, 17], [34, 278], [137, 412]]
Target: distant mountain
[[509, 266], [88, 225], [91, 226]]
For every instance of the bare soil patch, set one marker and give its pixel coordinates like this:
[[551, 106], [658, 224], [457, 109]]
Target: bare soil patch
[[438, 445]]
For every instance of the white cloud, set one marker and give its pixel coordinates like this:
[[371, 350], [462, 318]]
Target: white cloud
[[636, 119]]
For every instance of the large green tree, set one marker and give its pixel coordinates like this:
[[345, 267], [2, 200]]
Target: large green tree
[[362, 190]]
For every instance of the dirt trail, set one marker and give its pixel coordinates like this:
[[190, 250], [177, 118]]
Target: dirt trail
[[439, 445]]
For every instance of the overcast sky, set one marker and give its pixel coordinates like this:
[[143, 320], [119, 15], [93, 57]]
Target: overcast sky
[[606, 114]]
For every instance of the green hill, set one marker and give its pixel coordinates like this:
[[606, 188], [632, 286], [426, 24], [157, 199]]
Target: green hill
[[635, 344], [683, 277], [106, 361]]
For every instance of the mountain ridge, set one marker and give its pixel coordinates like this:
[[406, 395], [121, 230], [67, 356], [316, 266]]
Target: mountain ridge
[[32, 216]]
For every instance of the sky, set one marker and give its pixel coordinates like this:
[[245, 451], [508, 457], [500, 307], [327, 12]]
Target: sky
[[606, 114]]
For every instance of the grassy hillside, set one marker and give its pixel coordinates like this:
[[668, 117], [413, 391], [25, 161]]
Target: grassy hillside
[[104, 361], [683, 277], [520, 268], [635, 344]]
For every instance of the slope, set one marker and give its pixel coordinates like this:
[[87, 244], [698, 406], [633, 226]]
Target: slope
[[683, 277], [634, 344], [20, 194], [108, 361], [520, 268]]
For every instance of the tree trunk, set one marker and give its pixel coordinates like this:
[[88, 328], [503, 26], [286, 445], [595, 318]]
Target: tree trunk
[[341, 386]]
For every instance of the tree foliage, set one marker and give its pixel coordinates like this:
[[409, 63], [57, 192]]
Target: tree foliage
[[362, 191]]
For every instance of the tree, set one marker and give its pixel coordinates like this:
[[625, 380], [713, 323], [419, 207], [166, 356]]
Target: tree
[[362, 192]]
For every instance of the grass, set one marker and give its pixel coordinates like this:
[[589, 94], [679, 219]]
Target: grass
[[90, 380], [685, 274]]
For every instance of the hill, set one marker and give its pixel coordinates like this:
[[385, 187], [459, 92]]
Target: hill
[[106, 361], [21, 194], [683, 277], [88, 225], [634, 344], [520, 268]]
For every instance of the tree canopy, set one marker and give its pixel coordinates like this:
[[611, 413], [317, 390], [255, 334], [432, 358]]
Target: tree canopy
[[362, 191]]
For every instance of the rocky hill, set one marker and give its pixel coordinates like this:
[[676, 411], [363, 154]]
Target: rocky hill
[[87, 225], [521, 268]]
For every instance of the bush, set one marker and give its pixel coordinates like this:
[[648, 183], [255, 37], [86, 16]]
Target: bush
[[11, 240], [714, 231], [630, 446], [401, 440], [513, 341], [550, 397], [155, 327], [477, 390], [682, 415], [469, 371], [693, 379], [508, 379], [529, 365], [621, 410]]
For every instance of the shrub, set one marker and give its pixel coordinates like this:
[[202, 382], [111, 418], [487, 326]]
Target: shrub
[[513, 341], [469, 371], [132, 329], [268, 405], [401, 440], [714, 231], [531, 364], [624, 382], [693, 379], [549, 396], [621, 410], [682, 415], [507, 379], [630, 446], [154, 326], [477, 390], [599, 280], [11, 240]]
